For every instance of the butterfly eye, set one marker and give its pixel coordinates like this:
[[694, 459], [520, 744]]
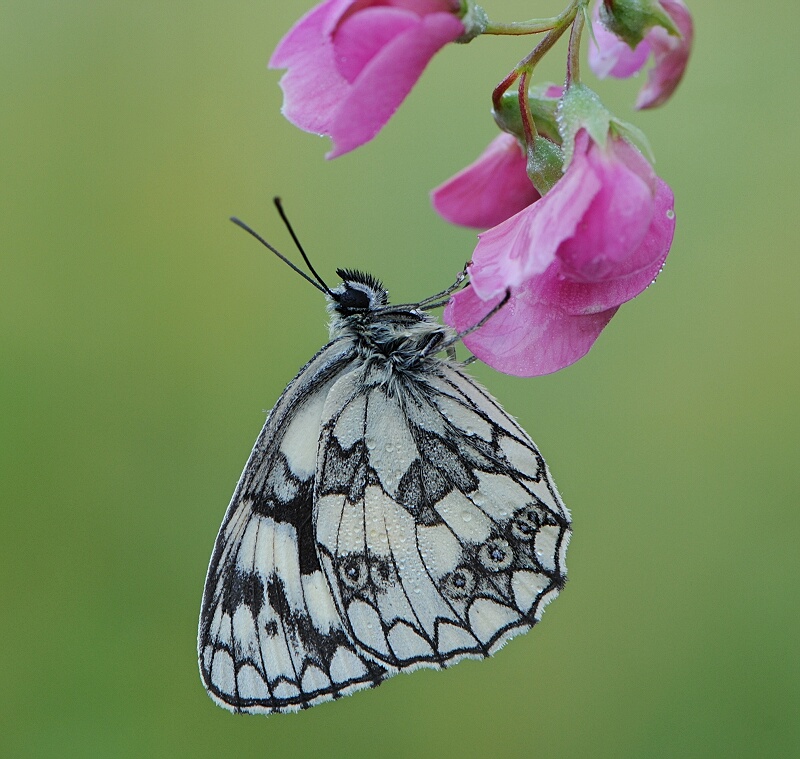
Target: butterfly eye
[[353, 300]]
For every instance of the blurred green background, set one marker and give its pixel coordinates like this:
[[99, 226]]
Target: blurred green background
[[143, 336]]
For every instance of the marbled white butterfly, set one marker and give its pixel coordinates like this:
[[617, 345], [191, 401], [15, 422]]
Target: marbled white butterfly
[[391, 516]]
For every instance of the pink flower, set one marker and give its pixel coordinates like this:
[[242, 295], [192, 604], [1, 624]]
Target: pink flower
[[489, 190], [352, 62], [611, 56], [596, 240]]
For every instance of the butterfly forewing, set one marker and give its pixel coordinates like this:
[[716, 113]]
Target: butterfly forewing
[[391, 516], [270, 636]]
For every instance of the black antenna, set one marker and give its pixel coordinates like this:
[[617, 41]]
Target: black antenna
[[240, 223], [277, 201]]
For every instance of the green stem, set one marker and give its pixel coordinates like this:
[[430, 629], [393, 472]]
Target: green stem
[[534, 26], [574, 54], [525, 111], [528, 63]]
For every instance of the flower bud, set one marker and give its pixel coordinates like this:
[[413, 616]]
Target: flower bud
[[625, 34], [632, 19]]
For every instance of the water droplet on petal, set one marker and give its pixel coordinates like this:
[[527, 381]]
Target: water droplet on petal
[[670, 214]]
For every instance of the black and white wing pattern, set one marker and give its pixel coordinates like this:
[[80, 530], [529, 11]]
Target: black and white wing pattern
[[439, 529], [391, 516], [270, 637]]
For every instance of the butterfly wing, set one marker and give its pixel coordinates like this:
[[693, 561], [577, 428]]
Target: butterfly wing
[[270, 637], [438, 527]]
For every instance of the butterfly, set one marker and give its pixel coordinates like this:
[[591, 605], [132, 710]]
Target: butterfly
[[391, 516]]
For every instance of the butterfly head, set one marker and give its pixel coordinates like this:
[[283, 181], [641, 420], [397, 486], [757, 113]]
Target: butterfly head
[[359, 292]]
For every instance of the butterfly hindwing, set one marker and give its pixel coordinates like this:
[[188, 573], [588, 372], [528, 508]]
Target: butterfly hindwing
[[270, 635], [438, 527]]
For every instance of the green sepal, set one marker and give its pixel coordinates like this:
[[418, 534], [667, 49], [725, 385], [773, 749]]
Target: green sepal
[[475, 20], [545, 165], [543, 109], [635, 136], [581, 108]]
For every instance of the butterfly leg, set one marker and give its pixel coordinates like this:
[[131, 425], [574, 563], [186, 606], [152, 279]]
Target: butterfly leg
[[446, 345], [462, 275], [433, 301]]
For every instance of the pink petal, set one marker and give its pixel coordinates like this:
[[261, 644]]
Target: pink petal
[[526, 244], [671, 55], [312, 86], [527, 337], [301, 39], [579, 298], [554, 91], [422, 7], [615, 223], [488, 191], [386, 80], [360, 37]]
